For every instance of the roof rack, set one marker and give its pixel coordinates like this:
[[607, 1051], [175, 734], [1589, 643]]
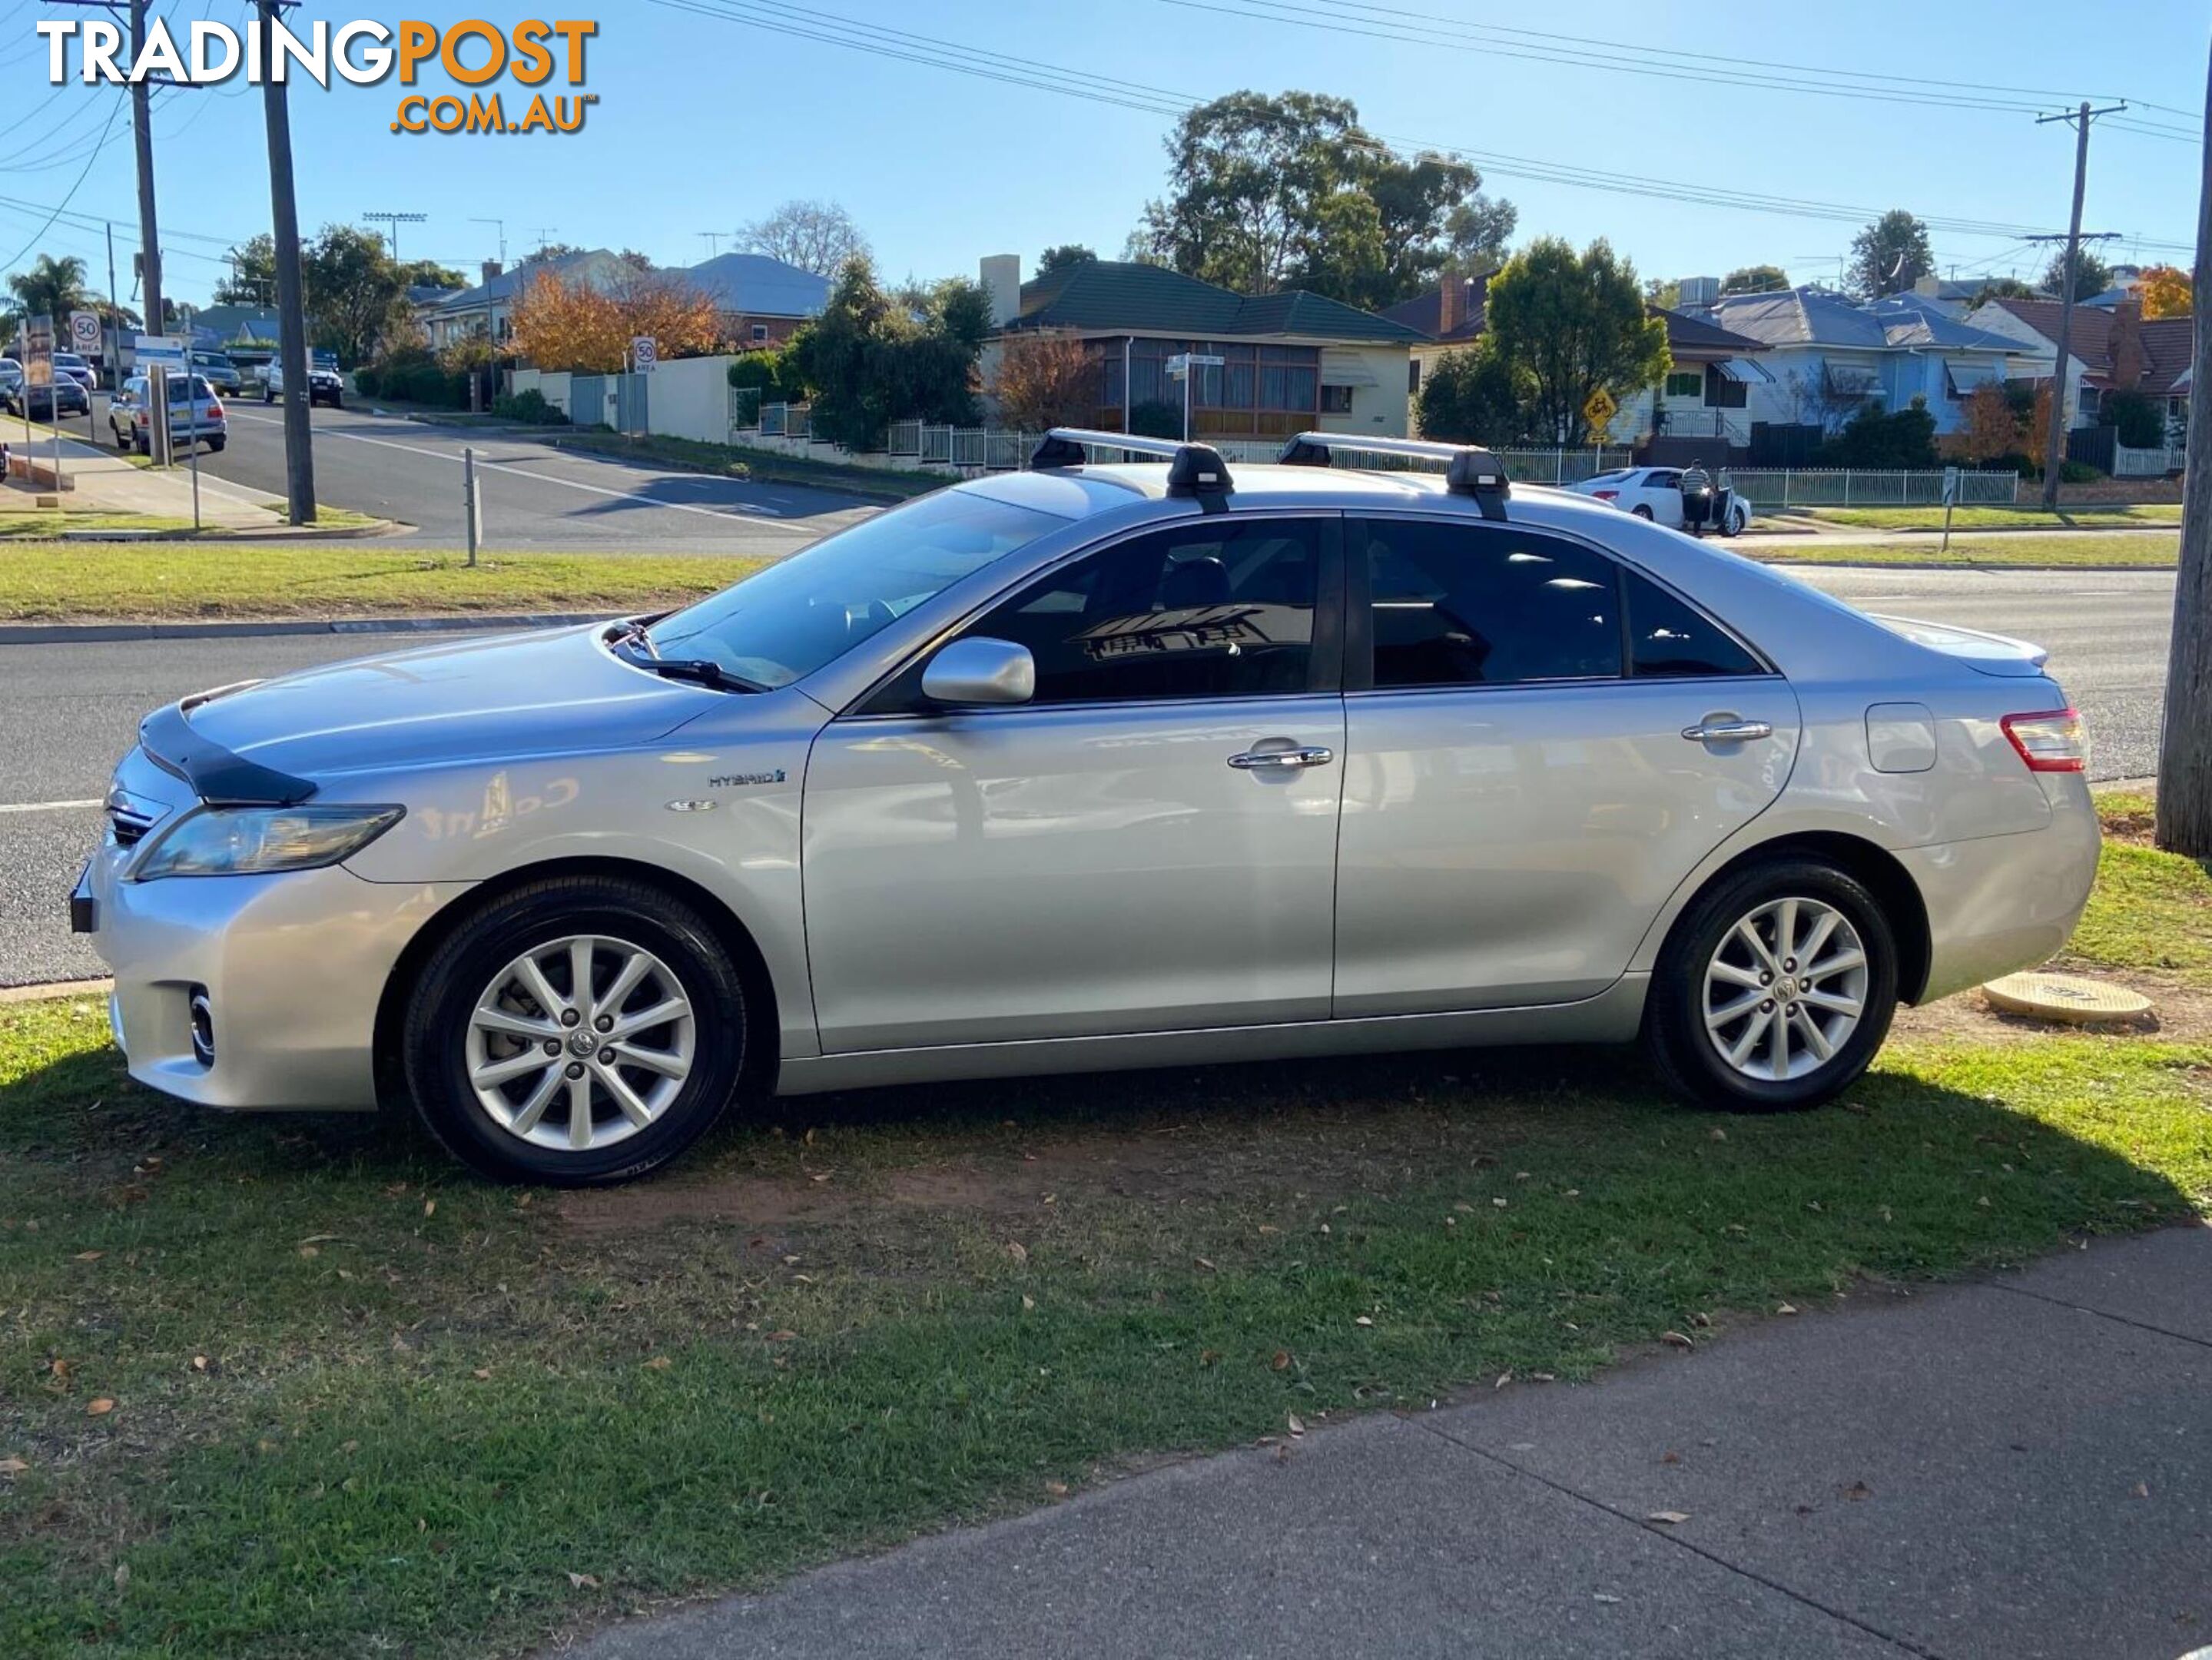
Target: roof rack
[[1470, 469], [1193, 469]]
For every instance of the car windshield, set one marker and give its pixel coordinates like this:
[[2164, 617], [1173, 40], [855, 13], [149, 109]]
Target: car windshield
[[791, 619]]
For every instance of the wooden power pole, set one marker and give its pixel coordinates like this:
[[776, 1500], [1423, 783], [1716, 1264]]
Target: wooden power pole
[[142, 138], [291, 299], [2185, 754], [2054, 444]]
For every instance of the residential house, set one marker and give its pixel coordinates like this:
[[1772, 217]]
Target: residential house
[[1451, 318], [1827, 357], [761, 301], [1293, 362], [1700, 398], [489, 307], [255, 327], [2108, 348], [1701, 408]]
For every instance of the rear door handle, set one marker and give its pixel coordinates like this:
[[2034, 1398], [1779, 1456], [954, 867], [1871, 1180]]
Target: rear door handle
[[1727, 729], [1282, 760]]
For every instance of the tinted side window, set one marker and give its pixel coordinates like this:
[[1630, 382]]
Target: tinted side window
[[1668, 640], [1221, 608], [1464, 604]]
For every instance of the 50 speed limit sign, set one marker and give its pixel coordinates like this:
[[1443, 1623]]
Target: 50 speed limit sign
[[84, 331]]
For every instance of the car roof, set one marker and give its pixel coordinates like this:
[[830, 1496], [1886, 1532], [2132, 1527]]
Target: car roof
[[1261, 486]]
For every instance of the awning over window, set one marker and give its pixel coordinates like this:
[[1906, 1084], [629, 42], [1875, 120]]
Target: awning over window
[[1849, 379], [1741, 371], [1963, 379]]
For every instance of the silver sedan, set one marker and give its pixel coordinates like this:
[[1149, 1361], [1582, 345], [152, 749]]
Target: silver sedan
[[1093, 766]]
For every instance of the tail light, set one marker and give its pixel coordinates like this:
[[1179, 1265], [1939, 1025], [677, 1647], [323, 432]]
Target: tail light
[[214, 409], [1607, 496], [2053, 740]]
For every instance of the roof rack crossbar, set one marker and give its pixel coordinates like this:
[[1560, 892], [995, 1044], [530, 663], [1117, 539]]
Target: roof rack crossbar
[[1469, 469], [1195, 470]]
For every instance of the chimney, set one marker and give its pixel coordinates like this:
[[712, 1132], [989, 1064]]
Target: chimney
[[1001, 275], [491, 269], [1451, 309], [2128, 359]]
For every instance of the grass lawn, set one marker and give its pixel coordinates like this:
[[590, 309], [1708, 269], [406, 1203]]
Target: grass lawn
[[51, 583], [297, 1387], [759, 465], [2151, 550], [44, 524], [2089, 515]]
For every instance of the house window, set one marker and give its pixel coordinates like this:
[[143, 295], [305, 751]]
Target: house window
[[1686, 383], [1722, 390], [760, 332], [1412, 376], [1336, 400]]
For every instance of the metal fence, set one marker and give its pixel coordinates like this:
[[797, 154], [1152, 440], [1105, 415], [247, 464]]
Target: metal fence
[[1823, 487], [1000, 450]]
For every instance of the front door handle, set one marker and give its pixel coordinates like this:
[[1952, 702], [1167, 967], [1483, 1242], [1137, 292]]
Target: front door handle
[[1727, 729], [1282, 760]]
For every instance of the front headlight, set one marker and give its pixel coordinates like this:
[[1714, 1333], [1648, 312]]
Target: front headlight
[[253, 841]]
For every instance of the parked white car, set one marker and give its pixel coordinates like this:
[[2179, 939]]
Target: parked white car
[[1656, 493]]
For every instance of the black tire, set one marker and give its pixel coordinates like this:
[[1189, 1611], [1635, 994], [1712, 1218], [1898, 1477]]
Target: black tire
[[435, 1033], [1640, 512], [214, 445], [1674, 1033]]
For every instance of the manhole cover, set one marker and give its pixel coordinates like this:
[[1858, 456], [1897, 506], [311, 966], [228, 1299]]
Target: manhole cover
[[2063, 997]]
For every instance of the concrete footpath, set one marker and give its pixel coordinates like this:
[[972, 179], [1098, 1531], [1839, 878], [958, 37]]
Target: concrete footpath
[[2016, 1467]]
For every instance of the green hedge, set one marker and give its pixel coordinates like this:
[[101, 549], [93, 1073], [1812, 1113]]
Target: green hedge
[[413, 381], [528, 405]]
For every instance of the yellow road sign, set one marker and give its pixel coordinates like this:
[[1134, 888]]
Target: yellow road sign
[[1600, 410]]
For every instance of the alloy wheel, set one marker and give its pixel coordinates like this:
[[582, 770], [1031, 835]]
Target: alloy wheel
[[580, 1042], [1786, 988]]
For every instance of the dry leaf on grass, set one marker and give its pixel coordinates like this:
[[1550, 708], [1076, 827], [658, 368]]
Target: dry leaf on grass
[[1362, 1320], [1282, 1360], [89, 1256], [12, 1466], [99, 1409], [659, 1363], [1297, 1425], [1017, 1250], [1677, 1339], [1057, 1489], [584, 1581]]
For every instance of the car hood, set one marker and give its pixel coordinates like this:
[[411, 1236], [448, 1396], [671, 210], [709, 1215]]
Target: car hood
[[507, 697]]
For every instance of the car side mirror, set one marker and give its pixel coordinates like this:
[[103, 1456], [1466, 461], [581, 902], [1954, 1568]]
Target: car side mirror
[[979, 671]]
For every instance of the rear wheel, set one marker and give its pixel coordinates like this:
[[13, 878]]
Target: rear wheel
[[1641, 511], [579, 1031], [1774, 990]]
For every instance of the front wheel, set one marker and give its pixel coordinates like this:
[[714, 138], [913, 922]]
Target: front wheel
[[578, 1032], [1775, 989]]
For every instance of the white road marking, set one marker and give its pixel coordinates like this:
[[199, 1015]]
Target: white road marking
[[735, 510], [50, 806]]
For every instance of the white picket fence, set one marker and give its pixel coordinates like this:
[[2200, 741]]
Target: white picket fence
[[2147, 462]]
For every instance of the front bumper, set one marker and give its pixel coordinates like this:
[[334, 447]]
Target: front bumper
[[292, 966]]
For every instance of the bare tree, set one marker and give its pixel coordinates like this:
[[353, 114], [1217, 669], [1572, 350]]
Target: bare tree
[[815, 236]]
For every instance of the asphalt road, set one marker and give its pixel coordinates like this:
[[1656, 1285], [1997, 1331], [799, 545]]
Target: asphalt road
[[73, 710], [536, 497]]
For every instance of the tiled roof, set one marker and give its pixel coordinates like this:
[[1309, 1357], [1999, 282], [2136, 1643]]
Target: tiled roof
[[1114, 294], [2167, 341], [507, 283]]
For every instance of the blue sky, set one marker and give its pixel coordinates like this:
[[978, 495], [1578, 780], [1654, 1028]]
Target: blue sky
[[704, 122]]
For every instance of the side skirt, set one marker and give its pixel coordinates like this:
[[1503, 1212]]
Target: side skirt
[[1611, 1016]]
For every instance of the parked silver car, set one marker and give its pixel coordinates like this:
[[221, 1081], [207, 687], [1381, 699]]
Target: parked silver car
[[1092, 766], [131, 414]]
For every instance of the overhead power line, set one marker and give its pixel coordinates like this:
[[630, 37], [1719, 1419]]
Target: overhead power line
[[811, 23], [105, 132]]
